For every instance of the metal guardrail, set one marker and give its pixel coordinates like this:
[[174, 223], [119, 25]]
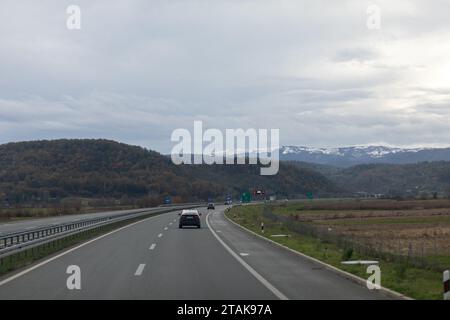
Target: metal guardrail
[[15, 241]]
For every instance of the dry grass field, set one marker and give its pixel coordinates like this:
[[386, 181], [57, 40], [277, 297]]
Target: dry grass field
[[410, 239], [415, 228]]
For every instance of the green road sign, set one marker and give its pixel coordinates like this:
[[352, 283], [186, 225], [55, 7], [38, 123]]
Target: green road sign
[[310, 195], [246, 197]]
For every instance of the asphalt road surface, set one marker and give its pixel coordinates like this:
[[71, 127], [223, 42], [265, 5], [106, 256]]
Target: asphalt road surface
[[29, 224], [154, 259]]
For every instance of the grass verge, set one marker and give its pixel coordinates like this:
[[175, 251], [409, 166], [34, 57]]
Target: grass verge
[[417, 283]]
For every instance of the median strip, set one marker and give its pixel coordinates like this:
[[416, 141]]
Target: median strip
[[16, 254]]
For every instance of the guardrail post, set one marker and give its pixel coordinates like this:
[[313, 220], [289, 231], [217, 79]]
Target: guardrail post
[[15, 240], [446, 282]]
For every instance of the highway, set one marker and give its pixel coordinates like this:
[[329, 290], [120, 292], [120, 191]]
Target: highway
[[30, 224], [154, 259]]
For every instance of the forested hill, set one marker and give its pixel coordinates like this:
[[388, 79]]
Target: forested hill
[[421, 179], [41, 171], [424, 179]]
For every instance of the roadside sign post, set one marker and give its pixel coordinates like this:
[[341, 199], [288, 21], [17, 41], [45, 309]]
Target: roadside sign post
[[262, 227], [167, 200], [446, 282], [246, 197]]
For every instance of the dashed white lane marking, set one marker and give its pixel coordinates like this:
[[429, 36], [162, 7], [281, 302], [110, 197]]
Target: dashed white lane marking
[[153, 246], [261, 279], [166, 228], [218, 231], [17, 275], [243, 254], [170, 223], [160, 235], [140, 269]]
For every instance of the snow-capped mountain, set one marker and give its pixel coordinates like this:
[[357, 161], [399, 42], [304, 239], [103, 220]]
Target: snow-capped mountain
[[348, 156]]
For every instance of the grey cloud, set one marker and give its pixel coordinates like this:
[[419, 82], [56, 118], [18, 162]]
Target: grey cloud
[[356, 54], [139, 69]]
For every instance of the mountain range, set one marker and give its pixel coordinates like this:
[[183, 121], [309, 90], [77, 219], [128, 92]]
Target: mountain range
[[350, 156], [38, 172]]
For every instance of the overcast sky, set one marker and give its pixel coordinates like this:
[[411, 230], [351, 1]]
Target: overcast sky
[[137, 70]]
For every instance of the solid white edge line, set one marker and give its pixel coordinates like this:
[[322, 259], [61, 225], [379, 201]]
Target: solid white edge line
[[259, 277], [17, 275], [342, 273], [140, 269]]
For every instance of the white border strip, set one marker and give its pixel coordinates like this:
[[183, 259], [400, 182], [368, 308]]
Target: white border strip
[[340, 272], [17, 275], [140, 269], [261, 279]]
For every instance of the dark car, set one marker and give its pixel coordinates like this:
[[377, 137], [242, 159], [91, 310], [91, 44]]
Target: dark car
[[189, 218], [211, 206]]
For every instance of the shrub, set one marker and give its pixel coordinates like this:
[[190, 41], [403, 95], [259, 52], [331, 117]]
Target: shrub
[[400, 270], [347, 254]]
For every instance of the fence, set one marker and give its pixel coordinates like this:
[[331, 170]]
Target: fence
[[16, 241], [414, 255], [21, 248]]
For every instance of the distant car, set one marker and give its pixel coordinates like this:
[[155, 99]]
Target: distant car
[[211, 206], [189, 218]]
